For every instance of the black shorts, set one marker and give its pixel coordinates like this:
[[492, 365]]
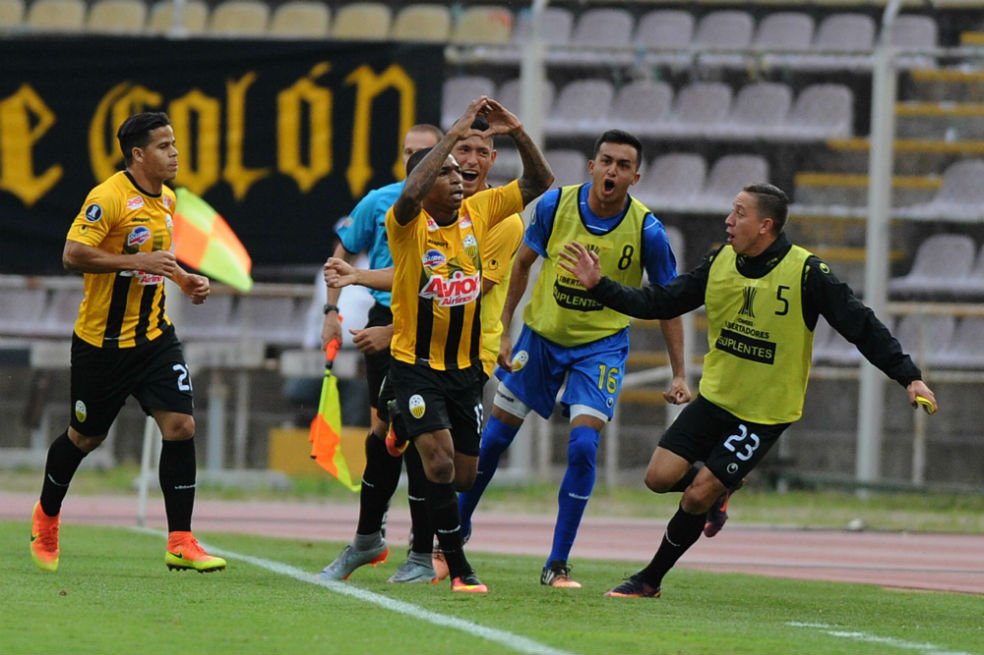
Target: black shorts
[[427, 400], [154, 373], [377, 364], [728, 446]]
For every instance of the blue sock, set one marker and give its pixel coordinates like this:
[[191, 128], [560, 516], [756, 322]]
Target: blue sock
[[575, 489], [496, 438]]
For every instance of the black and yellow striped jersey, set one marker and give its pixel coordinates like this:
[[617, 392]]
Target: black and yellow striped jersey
[[437, 281], [121, 310]]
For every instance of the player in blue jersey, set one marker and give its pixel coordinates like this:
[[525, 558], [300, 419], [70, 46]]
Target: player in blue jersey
[[568, 337]]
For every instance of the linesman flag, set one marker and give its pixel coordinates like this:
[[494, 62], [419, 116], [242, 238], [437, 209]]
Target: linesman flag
[[326, 427], [204, 241]]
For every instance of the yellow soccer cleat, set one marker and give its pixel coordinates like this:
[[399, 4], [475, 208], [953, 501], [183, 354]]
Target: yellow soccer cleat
[[184, 552], [44, 539]]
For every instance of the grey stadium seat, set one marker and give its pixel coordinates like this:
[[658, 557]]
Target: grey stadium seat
[[697, 107], [508, 95], [661, 31], [274, 320], [784, 31], [727, 177], [829, 347], [362, 21], [309, 19], [459, 91], [728, 29], [671, 181], [214, 320], [960, 198], [939, 260], [850, 34], [239, 18], [581, 108], [821, 111], [915, 31], [925, 337], [22, 310], [966, 347], [430, 23], [757, 110], [569, 166], [604, 27], [59, 315], [557, 26], [641, 105]]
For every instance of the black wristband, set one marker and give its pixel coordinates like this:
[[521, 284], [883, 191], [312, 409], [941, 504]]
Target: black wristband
[[330, 308]]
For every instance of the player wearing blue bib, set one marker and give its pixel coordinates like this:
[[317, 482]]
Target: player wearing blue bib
[[568, 337]]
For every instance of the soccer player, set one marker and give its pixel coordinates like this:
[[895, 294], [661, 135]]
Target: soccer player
[[436, 237], [763, 296], [123, 343], [475, 154], [364, 229], [568, 336]]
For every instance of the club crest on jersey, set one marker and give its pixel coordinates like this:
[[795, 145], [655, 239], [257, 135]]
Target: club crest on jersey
[[81, 411], [135, 203], [417, 406], [93, 213], [434, 258], [519, 360], [138, 236], [469, 241], [460, 289]]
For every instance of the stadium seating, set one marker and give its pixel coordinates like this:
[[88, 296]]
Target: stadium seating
[[671, 182], [194, 18], [273, 320], [728, 29], [971, 286], [966, 347], [821, 111], [483, 25], [581, 108], [425, 23], [508, 95], [831, 348], [915, 31], [838, 44], [602, 27], [58, 319], [22, 310], [214, 320], [458, 92], [56, 16], [665, 35], [757, 110], [11, 15], [785, 32], [727, 177], [925, 337], [940, 259], [696, 108], [638, 105], [239, 18], [296, 19], [569, 166], [122, 17], [362, 21], [961, 198]]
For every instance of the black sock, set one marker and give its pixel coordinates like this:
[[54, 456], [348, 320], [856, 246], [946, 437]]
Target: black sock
[[420, 523], [63, 461], [443, 506], [177, 476], [684, 482], [682, 532], [379, 482]]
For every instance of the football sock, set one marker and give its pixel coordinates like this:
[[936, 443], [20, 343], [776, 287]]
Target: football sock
[[496, 438], [379, 481], [420, 524], [684, 482], [177, 477], [575, 489], [63, 460], [443, 508], [682, 532]]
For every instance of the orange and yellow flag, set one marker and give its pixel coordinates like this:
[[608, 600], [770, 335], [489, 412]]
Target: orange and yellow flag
[[326, 427], [204, 241]]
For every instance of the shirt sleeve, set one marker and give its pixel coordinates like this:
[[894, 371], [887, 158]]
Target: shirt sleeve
[[98, 216], [357, 231], [538, 233], [826, 295], [658, 258]]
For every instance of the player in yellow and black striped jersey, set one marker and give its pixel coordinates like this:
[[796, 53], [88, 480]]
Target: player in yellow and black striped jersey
[[436, 243], [123, 343]]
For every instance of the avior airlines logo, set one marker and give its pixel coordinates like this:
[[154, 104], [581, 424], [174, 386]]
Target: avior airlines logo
[[460, 289]]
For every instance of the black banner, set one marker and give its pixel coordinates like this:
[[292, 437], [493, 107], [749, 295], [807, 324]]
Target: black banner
[[282, 138]]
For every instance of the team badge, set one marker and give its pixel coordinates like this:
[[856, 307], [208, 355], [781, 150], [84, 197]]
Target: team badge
[[138, 236], [417, 406], [519, 360], [81, 412], [135, 203], [824, 268], [470, 242], [93, 213]]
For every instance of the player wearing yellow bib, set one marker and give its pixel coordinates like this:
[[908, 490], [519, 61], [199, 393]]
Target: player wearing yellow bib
[[568, 337], [763, 297], [436, 238], [123, 343]]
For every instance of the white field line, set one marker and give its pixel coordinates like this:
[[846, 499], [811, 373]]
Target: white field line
[[901, 644], [511, 641]]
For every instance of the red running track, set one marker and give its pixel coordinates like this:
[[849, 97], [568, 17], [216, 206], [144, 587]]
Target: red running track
[[942, 562]]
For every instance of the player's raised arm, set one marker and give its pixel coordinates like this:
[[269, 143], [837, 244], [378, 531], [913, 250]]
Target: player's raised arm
[[537, 175]]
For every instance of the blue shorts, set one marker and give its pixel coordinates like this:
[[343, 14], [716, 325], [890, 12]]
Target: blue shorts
[[593, 372]]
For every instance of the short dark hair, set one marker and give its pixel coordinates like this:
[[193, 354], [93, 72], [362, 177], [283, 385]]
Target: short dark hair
[[619, 136], [135, 131], [772, 203], [416, 158]]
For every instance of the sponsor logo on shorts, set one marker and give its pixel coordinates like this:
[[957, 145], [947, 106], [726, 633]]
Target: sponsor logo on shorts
[[732, 468], [138, 236], [93, 213], [135, 203], [417, 406], [519, 360], [81, 412]]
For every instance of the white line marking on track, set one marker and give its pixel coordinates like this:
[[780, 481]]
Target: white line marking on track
[[901, 644], [509, 640]]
